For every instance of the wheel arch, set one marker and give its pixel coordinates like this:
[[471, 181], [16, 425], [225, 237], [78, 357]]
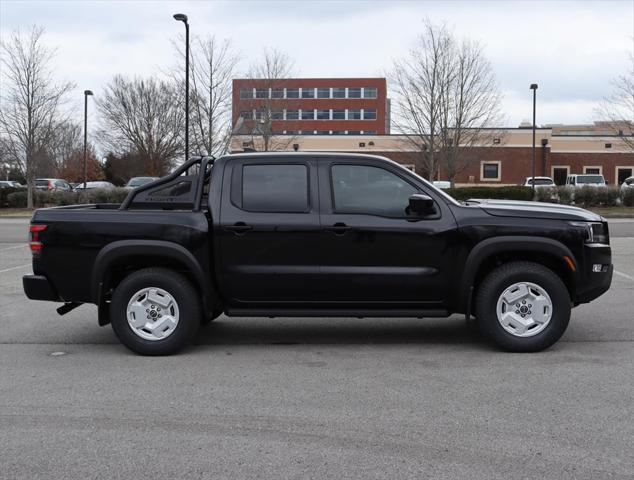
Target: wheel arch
[[119, 258], [490, 253]]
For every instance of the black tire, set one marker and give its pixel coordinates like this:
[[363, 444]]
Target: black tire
[[502, 278], [177, 286]]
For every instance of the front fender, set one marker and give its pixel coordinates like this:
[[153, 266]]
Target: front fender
[[506, 244]]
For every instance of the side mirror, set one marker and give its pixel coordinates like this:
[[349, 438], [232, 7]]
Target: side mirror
[[421, 204]]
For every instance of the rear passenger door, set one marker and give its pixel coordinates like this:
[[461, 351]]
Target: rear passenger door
[[269, 221]]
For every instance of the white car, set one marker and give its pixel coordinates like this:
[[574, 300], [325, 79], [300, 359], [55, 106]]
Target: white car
[[539, 182], [442, 184], [93, 186], [628, 184], [585, 180]]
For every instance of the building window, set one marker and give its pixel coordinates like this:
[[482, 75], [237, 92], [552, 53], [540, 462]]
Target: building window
[[496, 141], [261, 93], [291, 132], [353, 132], [247, 114], [308, 114], [323, 93], [338, 132], [323, 114], [308, 93], [369, 92], [369, 114], [354, 114], [277, 115], [593, 170], [275, 188], [369, 132], [490, 171], [354, 92], [292, 114], [608, 145], [323, 132], [339, 114], [277, 93], [338, 92], [246, 93], [292, 93]]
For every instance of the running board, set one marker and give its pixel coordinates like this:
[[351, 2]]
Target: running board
[[327, 312]]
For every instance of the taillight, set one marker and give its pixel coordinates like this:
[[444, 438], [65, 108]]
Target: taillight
[[34, 242]]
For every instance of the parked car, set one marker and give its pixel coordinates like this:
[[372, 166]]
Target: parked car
[[442, 184], [6, 184], [540, 182], [93, 185], [135, 182], [316, 234], [53, 184], [627, 184], [585, 180]]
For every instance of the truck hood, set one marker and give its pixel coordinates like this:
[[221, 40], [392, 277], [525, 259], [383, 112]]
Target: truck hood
[[554, 211]]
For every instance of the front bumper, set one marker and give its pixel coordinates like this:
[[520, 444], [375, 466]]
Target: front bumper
[[37, 287], [595, 284]]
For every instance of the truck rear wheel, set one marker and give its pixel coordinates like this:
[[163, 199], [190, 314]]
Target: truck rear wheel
[[155, 311], [523, 307]]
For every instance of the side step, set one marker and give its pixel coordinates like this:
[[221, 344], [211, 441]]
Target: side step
[[67, 307]]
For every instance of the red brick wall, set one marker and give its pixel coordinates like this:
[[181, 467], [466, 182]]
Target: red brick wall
[[609, 162], [379, 103]]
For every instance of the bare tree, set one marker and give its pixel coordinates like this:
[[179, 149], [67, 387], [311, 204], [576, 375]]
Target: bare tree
[[30, 102], [271, 70], [67, 139], [212, 66], [142, 116], [618, 109], [447, 100]]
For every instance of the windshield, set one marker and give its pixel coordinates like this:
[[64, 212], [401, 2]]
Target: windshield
[[138, 181], [590, 179]]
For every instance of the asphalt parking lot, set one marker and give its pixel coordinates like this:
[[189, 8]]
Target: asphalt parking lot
[[314, 398]]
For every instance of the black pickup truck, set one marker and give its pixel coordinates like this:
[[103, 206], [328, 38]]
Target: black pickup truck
[[316, 234]]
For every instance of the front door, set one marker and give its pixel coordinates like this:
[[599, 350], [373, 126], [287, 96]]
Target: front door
[[560, 175], [269, 224], [622, 174], [374, 253]]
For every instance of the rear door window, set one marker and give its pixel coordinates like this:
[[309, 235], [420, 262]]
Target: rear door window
[[275, 188]]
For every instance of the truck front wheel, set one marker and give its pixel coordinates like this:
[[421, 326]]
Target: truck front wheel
[[155, 311], [523, 307]]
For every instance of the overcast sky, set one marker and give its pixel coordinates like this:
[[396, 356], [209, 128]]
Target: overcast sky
[[571, 49]]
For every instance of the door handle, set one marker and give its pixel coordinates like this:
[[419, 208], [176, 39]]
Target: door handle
[[338, 228], [239, 228]]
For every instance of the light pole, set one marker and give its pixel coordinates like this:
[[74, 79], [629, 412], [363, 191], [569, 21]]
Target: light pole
[[534, 89], [181, 17], [86, 94]]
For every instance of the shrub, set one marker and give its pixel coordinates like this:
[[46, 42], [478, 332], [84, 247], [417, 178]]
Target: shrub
[[607, 197], [52, 199], [546, 194], [4, 194], [564, 195], [499, 193], [628, 197], [585, 196]]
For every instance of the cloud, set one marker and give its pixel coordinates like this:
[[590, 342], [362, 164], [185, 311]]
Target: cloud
[[572, 49]]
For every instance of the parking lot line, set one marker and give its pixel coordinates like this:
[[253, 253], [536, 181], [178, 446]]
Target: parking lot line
[[624, 275], [22, 245], [15, 268]]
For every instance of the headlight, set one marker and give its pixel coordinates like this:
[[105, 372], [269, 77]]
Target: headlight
[[594, 232]]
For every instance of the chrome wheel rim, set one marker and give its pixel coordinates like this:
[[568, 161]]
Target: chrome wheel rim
[[524, 309], [152, 313]]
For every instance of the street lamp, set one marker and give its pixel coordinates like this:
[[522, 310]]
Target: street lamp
[[534, 89], [181, 17], [86, 94]]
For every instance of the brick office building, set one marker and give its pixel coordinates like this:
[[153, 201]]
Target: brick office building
[[505, 159], [312, 106]]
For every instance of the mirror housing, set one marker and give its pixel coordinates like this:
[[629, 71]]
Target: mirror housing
[[421, 204]]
